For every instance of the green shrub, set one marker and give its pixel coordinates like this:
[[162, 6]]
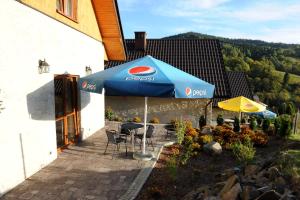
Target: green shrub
[[236, 125], [187, 153], [202, 121], [180, 131], [253, 124], [291, 109], [244, 152], [285, 126], [277, 124], [220, 120], [266, 125], [259, 121], [282, 109], [109, 114]]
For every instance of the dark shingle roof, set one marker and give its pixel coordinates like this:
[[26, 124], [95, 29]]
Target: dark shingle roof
[[199, 57], [238, 85]]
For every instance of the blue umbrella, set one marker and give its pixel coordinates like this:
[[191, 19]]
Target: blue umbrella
[[265, 114], [147, 77]]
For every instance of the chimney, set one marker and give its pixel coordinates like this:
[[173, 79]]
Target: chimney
[[140, 41]]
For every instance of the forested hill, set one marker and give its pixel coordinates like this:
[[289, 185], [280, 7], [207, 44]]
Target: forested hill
[[273, 69]]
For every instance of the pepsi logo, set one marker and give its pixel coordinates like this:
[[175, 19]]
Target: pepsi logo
[[84, 84], [188, 91], [249, 105], [142, 71], [88, 86]]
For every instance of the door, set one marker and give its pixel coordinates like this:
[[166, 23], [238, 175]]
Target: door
[[66, 110]]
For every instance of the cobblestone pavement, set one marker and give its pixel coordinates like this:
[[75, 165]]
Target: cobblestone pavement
[[83, 172]]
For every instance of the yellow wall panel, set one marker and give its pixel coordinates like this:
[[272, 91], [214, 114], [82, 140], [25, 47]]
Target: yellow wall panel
[[86, 19]]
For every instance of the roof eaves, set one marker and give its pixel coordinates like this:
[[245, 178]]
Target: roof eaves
[[121, 29]]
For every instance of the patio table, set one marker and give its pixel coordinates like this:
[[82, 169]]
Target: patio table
[[131, 127]]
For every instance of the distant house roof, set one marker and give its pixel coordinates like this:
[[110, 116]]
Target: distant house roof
[[238, 86], [199, 57]]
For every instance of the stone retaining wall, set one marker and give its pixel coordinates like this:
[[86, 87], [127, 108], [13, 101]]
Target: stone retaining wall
[[165, 109]]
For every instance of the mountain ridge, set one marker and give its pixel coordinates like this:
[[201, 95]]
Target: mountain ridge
[[272, 69], [195, 35]]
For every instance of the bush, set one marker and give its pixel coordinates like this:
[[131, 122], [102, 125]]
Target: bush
[[253, 124], [220, 120], [109, 114], [285, 126], [180, 131], [225, 136], [187, 150], [137, 119], [282, 109], [259, 121], [291, 109], [266, 125], [118, 119], [277, 124], [244, 152], [154, 120], [202, 121], [236, 125], [258, 138], [204, 139]]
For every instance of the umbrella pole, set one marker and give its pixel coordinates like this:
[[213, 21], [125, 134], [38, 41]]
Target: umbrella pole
[[145, 123]]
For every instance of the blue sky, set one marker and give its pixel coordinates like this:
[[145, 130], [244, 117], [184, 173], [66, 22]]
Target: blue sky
[[268, 20]]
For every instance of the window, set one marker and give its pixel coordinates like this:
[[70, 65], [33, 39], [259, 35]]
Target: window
[[67, 8]]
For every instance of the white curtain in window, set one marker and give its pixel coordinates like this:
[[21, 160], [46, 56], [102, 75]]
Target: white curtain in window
[[69, 8]]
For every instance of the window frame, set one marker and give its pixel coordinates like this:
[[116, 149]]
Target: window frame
[[63, 9]]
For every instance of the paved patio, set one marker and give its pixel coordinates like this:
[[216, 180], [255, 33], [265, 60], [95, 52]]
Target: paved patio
[[84, 172]]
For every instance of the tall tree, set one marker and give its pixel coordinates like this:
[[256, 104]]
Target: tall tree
[[286, 79]]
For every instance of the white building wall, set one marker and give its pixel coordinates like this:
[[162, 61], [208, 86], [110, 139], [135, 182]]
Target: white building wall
[[27, 123]]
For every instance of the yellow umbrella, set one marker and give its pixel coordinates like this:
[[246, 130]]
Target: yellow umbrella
[[241, 104]]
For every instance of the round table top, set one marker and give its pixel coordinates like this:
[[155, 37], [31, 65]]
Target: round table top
[[131, 125]]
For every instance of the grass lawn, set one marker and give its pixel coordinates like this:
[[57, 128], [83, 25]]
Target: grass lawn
[[295, 151], [296, 154], [293, 78], [295, 137]]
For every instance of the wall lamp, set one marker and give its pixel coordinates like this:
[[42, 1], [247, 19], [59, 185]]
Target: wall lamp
[[44, 67], [88, 70]]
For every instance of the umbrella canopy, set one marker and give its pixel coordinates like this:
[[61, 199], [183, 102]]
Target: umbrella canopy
[[149, 77], [265, 114], [241, 104], [146, 77]]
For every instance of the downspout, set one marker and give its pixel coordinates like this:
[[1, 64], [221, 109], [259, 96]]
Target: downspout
[[210, 101]]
